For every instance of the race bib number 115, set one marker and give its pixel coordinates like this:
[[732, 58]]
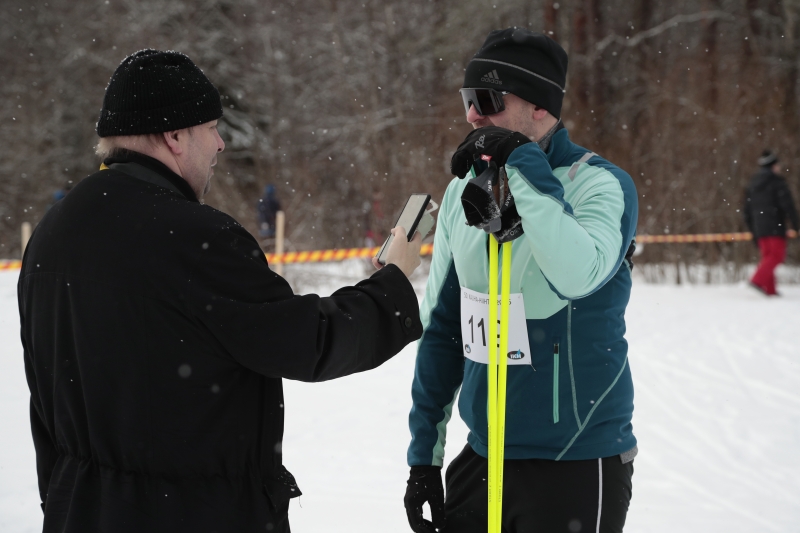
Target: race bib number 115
[[475, 328]]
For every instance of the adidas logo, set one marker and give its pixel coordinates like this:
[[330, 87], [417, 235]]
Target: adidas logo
[[492, 77]]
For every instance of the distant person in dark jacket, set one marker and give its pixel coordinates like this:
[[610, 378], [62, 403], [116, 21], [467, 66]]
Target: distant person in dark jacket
[[268, 206], [59, 194], [156, 336], [768, 204]]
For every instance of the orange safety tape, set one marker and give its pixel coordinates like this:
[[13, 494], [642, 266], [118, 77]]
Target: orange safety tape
[[699, 237], [10, 264], [340, 254]]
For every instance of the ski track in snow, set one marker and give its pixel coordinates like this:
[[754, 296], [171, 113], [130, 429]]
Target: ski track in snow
[[716, 371]]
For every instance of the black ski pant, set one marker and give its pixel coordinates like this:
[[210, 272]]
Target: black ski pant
[[539, 495]]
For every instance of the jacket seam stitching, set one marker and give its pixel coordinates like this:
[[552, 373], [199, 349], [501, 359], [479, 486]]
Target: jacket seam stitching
[[442, 433], [592, 410], [421, 340], [543, 195], [571, 371]]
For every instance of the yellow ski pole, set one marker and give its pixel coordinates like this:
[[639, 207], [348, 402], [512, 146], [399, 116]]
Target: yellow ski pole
[[505, 295], [494, 495], [497, 373]]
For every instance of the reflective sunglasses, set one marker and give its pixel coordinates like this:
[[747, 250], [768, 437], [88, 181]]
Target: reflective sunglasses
[[485, 101]]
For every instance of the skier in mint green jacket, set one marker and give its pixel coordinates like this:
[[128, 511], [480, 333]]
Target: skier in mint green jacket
[[571, 218]]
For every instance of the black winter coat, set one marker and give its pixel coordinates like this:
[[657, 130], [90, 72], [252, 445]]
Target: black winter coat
[[155, 339], [768, 203]]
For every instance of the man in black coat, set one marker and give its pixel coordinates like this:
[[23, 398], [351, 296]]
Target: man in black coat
[[156, 336], [768, 203]]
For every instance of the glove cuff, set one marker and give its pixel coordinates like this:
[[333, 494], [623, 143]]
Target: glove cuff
[[425, 469]]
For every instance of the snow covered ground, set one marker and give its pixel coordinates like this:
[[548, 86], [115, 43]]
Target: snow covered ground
[[717, 377]]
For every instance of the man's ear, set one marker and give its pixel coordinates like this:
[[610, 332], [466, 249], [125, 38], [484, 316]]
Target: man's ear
[[171, 139], [538, 113]]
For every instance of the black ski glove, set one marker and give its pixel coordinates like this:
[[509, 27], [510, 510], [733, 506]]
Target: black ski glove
[[481, 209], [510, 221], [425, 485], [498, 143]]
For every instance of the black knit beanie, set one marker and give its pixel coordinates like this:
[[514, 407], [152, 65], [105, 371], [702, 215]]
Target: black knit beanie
[[527, 64], [767, 159], [153, 91]]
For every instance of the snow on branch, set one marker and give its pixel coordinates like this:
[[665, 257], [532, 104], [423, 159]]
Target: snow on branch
[[661, 28]]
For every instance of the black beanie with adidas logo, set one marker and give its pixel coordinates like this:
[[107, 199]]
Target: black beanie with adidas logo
[[524, 63], [153, 91]]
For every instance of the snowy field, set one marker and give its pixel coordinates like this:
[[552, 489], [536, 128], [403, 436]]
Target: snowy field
[[717, 377]]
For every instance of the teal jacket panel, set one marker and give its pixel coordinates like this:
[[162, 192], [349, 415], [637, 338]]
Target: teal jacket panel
[[575, 399]]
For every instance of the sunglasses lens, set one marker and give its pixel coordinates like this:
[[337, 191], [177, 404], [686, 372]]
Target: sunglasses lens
[[470, 99], [485, 101]]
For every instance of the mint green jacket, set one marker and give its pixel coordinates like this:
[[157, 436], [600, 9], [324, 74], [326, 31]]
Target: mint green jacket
[[572, 266]]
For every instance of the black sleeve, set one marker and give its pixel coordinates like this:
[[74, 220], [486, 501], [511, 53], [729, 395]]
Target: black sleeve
[[46, 452], [786, 203], [253, 313]]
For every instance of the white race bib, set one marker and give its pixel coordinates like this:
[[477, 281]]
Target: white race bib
[[475, 328]]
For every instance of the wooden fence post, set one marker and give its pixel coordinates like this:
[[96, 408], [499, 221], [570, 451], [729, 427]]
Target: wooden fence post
[[280, 221], [27, 229]]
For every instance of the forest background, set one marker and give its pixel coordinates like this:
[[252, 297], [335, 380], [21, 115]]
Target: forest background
[[348, 106]]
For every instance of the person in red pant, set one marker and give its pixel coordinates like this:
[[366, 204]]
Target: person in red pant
[[768, 203]]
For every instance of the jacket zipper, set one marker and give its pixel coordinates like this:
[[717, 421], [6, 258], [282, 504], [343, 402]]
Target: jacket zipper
[[555, 383]]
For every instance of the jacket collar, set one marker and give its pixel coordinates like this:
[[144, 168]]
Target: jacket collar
[[151, 170], [560, 149]]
